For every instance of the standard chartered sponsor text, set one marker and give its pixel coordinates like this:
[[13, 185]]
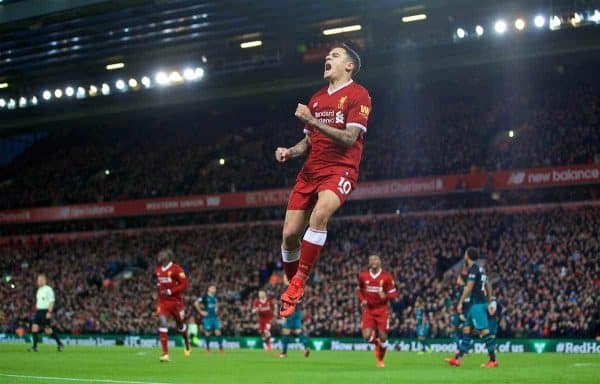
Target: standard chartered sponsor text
[[23, 215]]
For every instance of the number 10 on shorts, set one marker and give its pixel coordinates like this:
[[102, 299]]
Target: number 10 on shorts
[[344, 186]]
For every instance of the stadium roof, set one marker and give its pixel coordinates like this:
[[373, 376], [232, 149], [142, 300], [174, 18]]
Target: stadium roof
[[52, 45], [97, 32]]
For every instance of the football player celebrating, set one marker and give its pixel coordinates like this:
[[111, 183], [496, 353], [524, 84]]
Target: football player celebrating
[[335, 122]]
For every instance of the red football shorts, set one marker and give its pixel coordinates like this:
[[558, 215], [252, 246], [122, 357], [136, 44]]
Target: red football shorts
[[173, 309], [375, 319], [306, 190], [264, 325]]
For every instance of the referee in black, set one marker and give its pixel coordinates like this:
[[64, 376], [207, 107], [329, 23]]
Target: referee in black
[[44, 306]]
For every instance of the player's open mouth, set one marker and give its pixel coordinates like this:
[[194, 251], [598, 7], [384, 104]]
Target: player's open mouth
[[327, 67]]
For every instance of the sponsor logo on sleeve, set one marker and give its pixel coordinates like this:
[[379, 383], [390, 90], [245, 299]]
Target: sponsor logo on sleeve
[[364, 111]]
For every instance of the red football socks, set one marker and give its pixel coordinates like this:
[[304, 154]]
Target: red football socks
[[164, 340], [312, 244], [290, 262]]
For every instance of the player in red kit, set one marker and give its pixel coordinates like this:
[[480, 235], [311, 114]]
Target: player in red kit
[[265, 309], [171, 282], [335, 122], [375, 288]]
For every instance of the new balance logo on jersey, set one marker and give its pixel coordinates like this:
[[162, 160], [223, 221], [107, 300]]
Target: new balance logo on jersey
[[339, 118], [364, 111]]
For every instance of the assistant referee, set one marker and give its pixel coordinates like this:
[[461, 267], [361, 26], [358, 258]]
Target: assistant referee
[[44, 306]]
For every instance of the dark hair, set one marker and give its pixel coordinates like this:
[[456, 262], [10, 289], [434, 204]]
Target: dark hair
[[472, 253], [352, 54]]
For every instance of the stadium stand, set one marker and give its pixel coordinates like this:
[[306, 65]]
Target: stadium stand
[[456, 126], [543, 263]]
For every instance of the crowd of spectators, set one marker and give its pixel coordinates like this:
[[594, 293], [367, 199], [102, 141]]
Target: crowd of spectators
[[544, 266], [438, 127]]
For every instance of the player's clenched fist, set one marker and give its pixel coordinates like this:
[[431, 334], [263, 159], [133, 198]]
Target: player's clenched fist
[[303, 113], [282, 154]]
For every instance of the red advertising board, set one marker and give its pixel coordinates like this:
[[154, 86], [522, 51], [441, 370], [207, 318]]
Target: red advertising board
[[422, 186]]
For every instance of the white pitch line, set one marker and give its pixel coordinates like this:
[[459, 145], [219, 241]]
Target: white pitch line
[[79, 380]]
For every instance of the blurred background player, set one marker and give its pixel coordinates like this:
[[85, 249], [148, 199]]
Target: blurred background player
[[335, 123], [207, 307], [375, 288], [422, 325], [293, 326], [193, 331], [478, 290], [495, 312], [171, 282], [458, 319], [265, 309], [44, 307]]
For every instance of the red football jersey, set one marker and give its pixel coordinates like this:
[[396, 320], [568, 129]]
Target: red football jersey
[[264, 309], [370, 285], [172, 277], [347, 106]]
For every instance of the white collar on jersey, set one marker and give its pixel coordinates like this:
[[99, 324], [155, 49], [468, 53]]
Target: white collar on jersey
[[332, 91], [374, 276], [167, 266]]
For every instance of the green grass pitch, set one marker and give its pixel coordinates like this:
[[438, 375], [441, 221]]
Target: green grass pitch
[[78, 364]]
